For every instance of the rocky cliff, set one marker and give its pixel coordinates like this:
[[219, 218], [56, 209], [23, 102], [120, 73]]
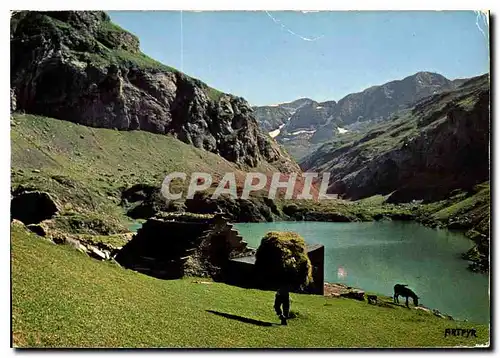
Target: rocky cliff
[[440, 144], [80, 67]]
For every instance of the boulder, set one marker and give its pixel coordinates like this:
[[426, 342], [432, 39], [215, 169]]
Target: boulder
[[63, 239], [32, 207]]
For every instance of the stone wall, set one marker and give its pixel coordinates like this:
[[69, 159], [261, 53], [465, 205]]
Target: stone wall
[[241, 270]]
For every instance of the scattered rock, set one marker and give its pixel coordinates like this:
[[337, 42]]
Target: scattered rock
[[341, 290], [354, 294]]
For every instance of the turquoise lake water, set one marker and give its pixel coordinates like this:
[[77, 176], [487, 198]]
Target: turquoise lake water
[[376, 255]]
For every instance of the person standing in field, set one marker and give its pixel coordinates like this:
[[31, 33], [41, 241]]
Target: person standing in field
[[282, 304]]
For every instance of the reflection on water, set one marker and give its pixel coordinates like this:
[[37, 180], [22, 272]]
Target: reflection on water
[[376, 255]]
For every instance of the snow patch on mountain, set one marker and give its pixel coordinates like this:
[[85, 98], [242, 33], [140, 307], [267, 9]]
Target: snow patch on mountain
[[303, 131], [277, 131]]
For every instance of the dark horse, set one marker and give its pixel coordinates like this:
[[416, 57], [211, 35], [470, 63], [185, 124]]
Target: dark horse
[[402, 290]]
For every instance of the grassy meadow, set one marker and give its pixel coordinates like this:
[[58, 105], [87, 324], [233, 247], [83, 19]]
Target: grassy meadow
[[62, 298]]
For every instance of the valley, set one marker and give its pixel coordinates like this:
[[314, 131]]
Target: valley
[[96, 126]]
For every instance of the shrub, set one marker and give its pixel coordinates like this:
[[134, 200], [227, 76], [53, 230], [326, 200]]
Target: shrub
[[281, 259]]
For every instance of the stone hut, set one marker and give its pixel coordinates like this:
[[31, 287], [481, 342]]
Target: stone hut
[[178, 244], [174, 245]]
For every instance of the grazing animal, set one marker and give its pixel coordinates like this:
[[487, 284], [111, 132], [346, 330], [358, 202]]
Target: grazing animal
[[402, 290], [372, 299]]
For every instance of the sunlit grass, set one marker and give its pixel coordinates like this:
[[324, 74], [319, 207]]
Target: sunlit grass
[[62, 298]]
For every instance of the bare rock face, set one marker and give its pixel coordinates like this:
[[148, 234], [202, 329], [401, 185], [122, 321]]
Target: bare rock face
[[440, 146], [80, 67]]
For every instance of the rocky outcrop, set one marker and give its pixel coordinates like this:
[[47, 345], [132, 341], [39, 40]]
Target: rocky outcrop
[[318, 122], [338, 290], [32, 207], [295, 212], [96, 246], [238, 210], [80, 67]]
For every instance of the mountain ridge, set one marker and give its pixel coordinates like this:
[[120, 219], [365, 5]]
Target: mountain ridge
[[327, 119], [80, 67]]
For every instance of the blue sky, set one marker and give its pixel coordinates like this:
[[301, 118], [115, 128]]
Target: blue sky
[[276, 57]]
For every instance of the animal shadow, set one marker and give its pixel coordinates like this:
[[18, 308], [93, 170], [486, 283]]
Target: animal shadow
[[243, 319]]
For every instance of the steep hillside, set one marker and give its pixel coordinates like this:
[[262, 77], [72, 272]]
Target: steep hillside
[[439, 145], [316, 123], [80, 67], [88, 170], [379, 102], [436, 153]]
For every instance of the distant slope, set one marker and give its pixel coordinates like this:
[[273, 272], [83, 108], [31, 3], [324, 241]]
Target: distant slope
[[86, 169], [425, 152], [379, 102], [315, 123], [272, 117], [62, 298]]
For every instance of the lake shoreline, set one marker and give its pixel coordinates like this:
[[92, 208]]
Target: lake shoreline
[[340, 290], [369, 257]]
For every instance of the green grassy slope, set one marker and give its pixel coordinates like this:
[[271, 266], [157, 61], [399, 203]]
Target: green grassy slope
[[61, 298], [86, 168]]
